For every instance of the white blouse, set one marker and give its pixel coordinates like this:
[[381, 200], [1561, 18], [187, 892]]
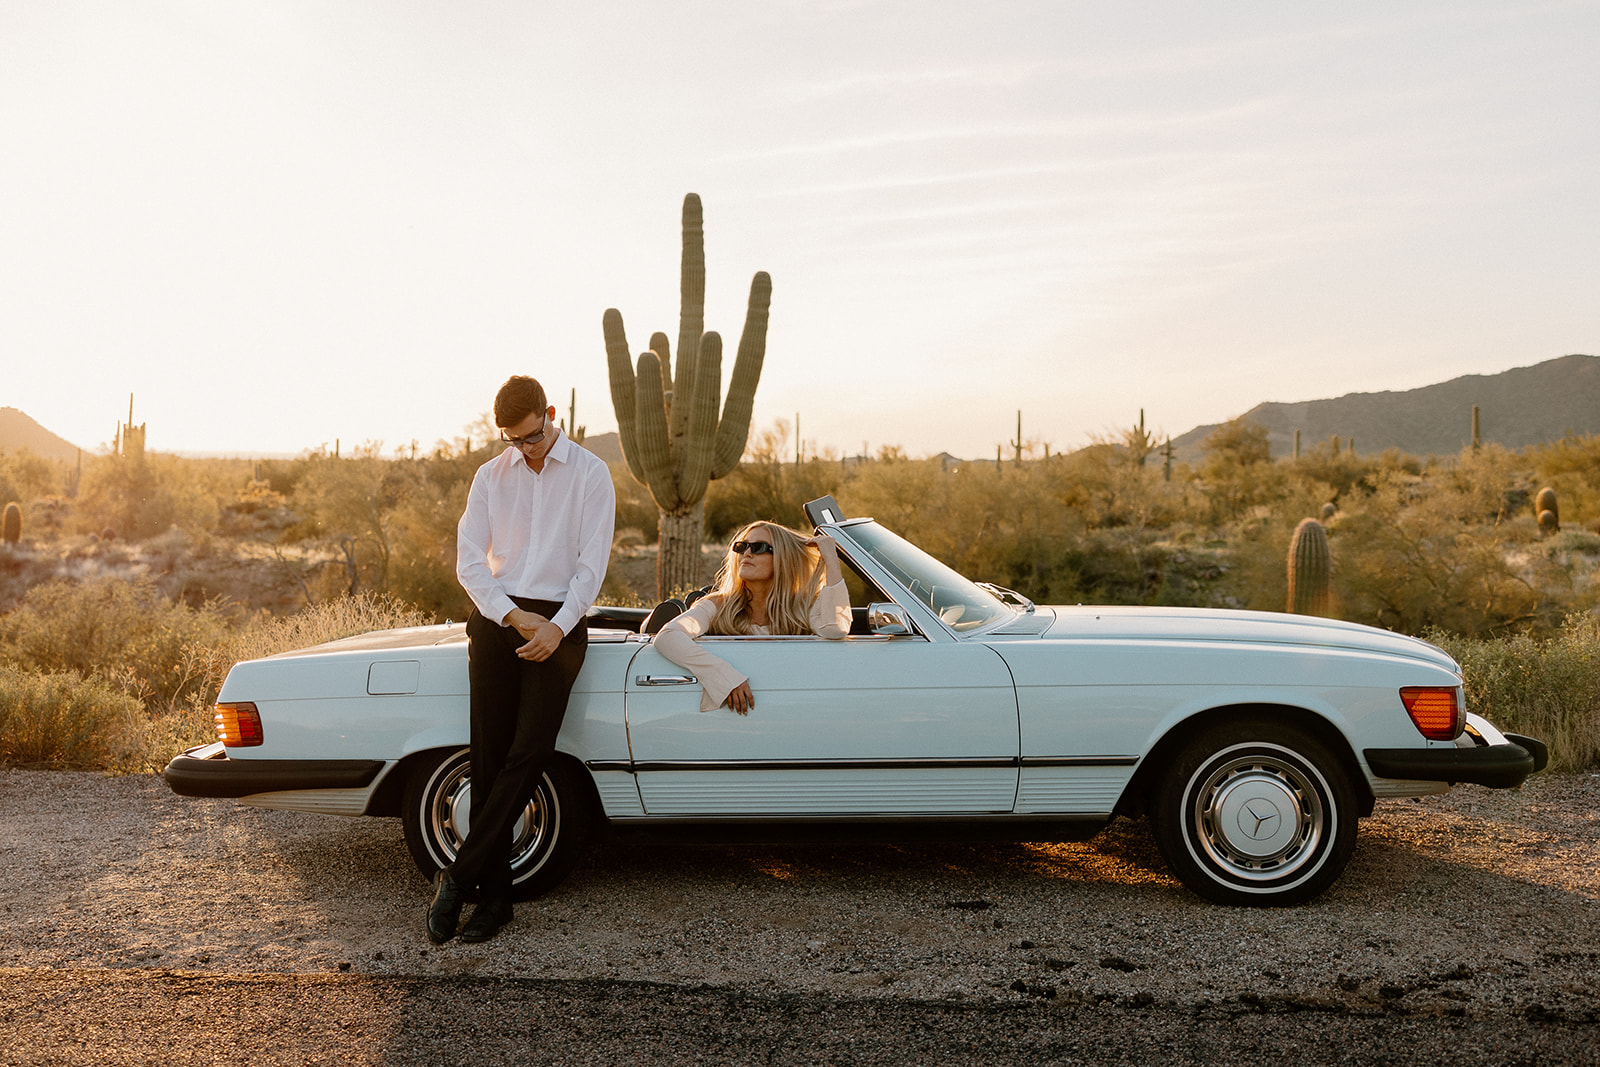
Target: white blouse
[[678, 640]]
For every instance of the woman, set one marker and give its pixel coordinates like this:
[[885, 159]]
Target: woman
[[768, 585]]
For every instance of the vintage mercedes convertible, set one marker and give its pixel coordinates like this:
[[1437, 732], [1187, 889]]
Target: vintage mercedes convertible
[[955, 710]]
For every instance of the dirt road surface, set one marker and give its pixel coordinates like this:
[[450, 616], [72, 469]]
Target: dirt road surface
[[139, 927]]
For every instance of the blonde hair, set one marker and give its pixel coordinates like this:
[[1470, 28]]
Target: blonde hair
[[796, 581]]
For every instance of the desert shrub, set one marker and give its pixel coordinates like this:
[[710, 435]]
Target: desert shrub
[[1572, 467], [422, 567], [64, 720], [1546, 687], [139, 498], [1238, 473], [123, 632], [320, 623], [391, 523], [351, 501], [107, 675]]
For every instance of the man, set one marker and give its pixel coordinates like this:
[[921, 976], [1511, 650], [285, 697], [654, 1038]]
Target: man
[[531, 552]]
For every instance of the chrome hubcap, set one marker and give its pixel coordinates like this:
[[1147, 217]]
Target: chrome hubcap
[[1259, 817], [450, 818]]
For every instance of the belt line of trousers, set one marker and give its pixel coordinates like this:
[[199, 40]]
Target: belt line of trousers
[[517, 707]]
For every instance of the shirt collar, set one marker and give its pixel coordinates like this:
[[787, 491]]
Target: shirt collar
[[561, 452]]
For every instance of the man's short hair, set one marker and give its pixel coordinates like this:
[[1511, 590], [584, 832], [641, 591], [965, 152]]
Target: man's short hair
[[520, 397]]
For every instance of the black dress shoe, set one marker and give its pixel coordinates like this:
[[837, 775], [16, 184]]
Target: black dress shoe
[[487, 919], [445, 911]]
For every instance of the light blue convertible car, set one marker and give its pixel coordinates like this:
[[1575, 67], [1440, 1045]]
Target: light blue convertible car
[[955, 710]]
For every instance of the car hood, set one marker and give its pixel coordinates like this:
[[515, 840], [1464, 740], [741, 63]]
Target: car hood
[[1192, 625]]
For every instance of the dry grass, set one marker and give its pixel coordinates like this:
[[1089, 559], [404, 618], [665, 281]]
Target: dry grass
[[1545, 687]]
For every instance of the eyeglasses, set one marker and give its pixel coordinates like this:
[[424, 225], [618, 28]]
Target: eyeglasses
[[524, 443], [755, 548]]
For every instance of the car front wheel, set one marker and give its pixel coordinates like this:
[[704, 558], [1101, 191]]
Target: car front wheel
[[1255, 813], [545, 843]]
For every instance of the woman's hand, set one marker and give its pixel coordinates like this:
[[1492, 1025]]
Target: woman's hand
[[741, 699], [825, 544]]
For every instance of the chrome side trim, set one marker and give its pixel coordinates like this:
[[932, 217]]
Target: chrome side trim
[[1079, 761], [823, 764], [610, 765], [947, 763]]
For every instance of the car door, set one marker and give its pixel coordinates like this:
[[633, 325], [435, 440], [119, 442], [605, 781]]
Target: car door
[[867, 725]]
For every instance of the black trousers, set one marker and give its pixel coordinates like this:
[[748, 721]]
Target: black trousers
[[516, 709]]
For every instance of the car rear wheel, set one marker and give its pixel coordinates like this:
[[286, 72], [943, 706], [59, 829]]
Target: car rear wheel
[[546, 841], [1257, 813]]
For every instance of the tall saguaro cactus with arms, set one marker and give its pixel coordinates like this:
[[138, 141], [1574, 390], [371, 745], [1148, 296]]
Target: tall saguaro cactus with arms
[[677, 434]]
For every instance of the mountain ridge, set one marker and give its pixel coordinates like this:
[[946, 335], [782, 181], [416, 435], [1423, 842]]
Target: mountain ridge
[[1518, 407], [19, 431]]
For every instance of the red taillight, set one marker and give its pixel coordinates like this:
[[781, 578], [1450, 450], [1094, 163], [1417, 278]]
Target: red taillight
[[238, 725], [1434, 709]]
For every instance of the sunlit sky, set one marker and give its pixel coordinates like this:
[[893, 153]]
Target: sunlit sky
[[279, 224]]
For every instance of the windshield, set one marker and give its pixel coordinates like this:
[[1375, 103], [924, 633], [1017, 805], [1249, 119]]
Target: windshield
[[960, 604]]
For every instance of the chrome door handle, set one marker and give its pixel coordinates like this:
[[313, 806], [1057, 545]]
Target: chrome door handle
[[664, 679]]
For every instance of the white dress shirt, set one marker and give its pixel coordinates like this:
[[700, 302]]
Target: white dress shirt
[[678, 640], [544, 535]]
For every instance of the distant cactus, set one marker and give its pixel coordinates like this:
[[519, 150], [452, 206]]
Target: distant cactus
[[1309, 567], [670, 429], [1477, 441], [1545, 504], [1328, 511], [1140, 442], [1297, 444], [570, 424], [12, 528]]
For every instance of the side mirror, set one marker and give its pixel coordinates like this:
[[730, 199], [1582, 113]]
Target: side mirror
[[889, 620]]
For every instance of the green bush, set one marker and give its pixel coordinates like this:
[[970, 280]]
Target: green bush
[[63, 720], [1545, 687]]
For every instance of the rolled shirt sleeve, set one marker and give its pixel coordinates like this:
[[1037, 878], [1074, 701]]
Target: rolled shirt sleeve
[[830, 612], [473, 568], [679, 641], [594, 552]]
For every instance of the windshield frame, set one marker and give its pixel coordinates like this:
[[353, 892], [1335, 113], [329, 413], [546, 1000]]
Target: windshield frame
[[905, 566]]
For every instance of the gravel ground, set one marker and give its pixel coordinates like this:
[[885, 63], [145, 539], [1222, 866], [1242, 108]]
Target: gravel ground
[[1458, 914]]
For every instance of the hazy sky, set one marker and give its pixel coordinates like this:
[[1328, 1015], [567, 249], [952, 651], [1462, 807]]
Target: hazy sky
[[281, 223]]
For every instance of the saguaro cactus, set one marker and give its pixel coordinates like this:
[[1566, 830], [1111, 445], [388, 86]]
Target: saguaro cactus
[[672, 436], [1309, 569], [12, 523]]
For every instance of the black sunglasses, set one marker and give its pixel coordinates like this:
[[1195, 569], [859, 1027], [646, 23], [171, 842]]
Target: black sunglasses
[[524, 442], [755, 548]]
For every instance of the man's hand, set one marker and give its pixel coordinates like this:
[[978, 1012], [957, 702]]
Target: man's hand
[[542, 635], [542, 642], [741, 699]]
